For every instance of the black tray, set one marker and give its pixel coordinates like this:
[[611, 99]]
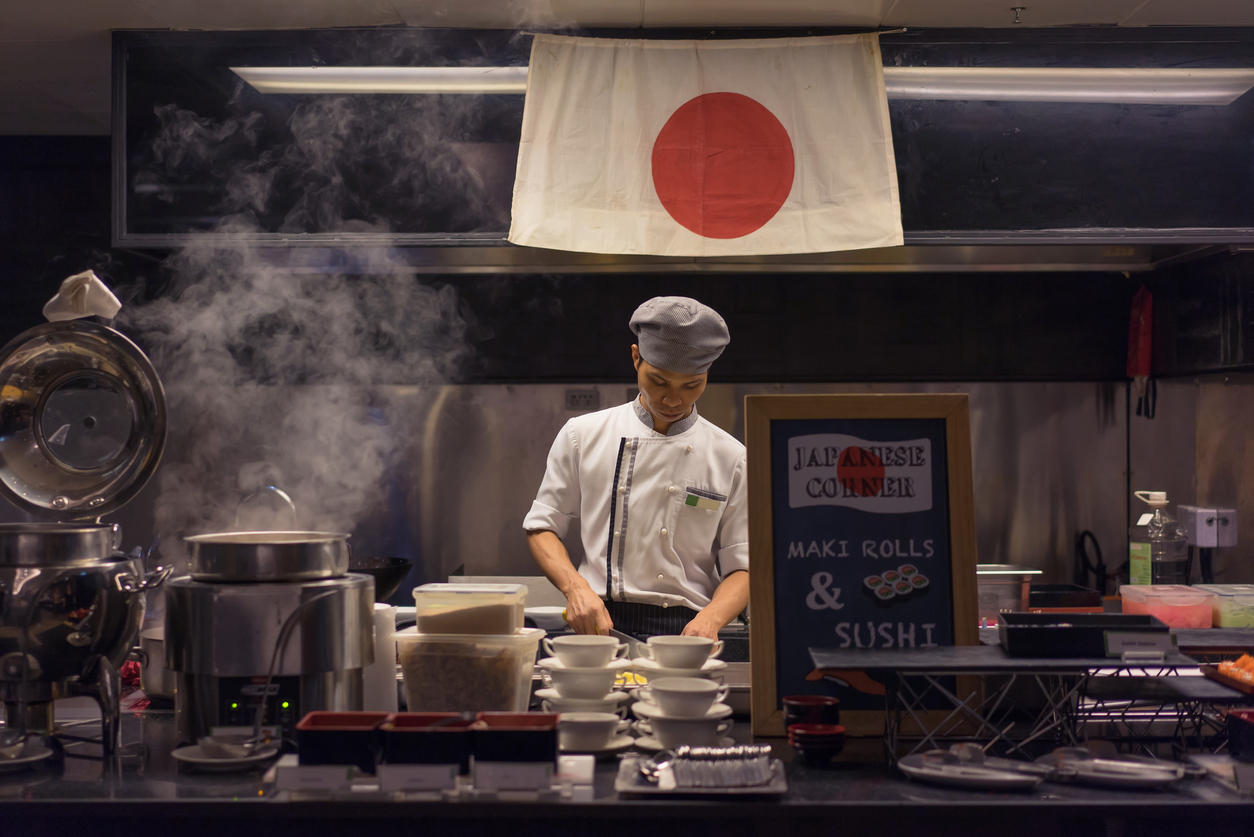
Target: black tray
[[1063, 595], [1068, 634]]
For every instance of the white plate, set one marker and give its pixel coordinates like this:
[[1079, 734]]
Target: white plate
[[964, 776], [648, 709], [548, 617], [33, 752], [1101, 777], [656, 670], [551, 694], [619, 744], [195, 757], [651, 743], [555, 663]]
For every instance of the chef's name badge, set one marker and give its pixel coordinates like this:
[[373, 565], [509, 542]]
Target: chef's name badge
[[833, 469]]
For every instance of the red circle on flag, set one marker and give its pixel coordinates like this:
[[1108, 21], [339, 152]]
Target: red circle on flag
[[860, 471], [722, 165]]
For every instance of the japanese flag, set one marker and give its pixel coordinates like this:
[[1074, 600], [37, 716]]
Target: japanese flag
[[706, 148]]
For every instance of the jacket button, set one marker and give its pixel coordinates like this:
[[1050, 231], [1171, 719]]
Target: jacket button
[[663, 531], [690, 449], [671, 489], [659, 575], [666, 604], [622, 489], [616, 533]]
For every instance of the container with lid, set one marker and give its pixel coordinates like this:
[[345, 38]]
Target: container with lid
[[467, 672], [1175, 604], [470, 608], [1002, 587], [1233, 606]]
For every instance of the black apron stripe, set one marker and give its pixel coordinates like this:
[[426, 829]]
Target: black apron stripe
[[609, 550]]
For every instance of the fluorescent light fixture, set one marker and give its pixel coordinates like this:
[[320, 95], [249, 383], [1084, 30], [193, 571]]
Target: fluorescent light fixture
[[385, 79], [1051, 84], [1013, 84]]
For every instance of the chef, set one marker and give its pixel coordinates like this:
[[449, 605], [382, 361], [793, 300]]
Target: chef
[[656, 491]]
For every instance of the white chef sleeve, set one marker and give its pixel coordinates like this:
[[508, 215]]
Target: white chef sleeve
[[733, 528], [557, 502]]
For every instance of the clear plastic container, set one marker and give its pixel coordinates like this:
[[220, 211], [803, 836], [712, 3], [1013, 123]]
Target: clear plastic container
[[1234, 604], [1175, 604], [470, 608], [467, 672], [1002, 587]]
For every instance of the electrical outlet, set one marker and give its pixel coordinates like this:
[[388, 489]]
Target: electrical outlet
[[583, 400]]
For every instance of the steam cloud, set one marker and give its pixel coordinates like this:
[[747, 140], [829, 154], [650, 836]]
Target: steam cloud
[[315, 382]]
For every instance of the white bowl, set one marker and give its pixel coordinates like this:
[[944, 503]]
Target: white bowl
[[581, 683], [583, 651], [683, 696], [584, 731], [681, 651]]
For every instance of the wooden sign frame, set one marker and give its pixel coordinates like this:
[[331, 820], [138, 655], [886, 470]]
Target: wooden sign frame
[[760, 411]]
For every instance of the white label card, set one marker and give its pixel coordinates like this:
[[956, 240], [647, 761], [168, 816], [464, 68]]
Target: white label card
[[314, 777], [1118, 643], [509, 775], [416, 777]]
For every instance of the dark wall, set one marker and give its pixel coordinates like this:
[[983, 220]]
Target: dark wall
[[1204, 316], [54, 221], [851, 327]]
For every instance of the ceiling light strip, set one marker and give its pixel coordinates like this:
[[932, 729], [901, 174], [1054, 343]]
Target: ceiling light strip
[[1019, 84]]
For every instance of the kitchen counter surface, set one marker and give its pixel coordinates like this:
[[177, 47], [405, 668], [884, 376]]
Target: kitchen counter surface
[[145, 791]]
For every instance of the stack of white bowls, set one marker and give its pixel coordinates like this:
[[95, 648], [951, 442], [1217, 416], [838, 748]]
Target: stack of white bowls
[[674, 711], [579, 674]]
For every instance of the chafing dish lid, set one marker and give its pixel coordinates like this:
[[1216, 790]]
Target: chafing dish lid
[[82, 420]]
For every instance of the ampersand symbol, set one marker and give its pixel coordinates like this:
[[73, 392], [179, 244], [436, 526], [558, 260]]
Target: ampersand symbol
[[820, 598]]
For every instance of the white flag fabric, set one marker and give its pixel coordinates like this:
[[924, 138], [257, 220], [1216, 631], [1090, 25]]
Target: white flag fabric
[[706, 148]]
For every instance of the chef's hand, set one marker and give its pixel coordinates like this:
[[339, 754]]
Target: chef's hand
[[586, 612], [702, 625]]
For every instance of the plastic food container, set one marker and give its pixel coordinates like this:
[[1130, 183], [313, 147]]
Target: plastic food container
[[470, 608], [516, 736], [427, 738], [1233, 605], [467, 672], [1177, 605], [1002, 587], [340, 738]]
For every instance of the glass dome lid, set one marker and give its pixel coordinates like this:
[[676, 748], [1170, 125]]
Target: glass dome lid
[[82, 420]]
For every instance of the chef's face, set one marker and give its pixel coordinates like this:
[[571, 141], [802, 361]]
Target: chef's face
[[668, 396]]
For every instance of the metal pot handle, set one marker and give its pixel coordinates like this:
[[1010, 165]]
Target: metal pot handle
[[127, 583]]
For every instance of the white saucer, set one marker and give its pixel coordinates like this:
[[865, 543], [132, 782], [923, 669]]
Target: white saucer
[[619, 744], [555, 663], [33, 752], [648, 709], [651, 743], [614, 697], [656, 670], [194, 757]]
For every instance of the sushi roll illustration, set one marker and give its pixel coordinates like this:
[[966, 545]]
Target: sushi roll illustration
[[903, 588], [907, 570], [892, 576], [873, 581], [884, 592], [918, 581]]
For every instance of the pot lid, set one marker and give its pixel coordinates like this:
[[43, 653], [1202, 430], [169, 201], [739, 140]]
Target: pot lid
[[82, 420]]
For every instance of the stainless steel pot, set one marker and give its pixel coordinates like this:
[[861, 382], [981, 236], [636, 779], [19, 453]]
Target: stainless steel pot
[[155, 679], [268, 556]]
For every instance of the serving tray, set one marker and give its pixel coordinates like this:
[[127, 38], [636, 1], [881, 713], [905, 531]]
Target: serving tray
[[629, 781]]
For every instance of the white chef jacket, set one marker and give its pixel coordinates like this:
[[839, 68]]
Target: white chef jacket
[[663, 518]]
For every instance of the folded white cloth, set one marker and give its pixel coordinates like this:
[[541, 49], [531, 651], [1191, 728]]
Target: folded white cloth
[[82, 295]]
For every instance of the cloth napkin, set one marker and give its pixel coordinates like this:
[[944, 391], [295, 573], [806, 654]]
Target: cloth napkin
[[82, 295]]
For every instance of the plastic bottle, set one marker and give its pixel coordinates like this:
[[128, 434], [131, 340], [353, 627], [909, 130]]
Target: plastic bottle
[[1158, 552]]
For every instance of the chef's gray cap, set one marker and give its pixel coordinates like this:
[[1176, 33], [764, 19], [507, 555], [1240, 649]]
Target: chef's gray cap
[[679, 334]]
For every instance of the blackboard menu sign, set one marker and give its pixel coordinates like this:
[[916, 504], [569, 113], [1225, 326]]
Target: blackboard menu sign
[[862, 535]]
